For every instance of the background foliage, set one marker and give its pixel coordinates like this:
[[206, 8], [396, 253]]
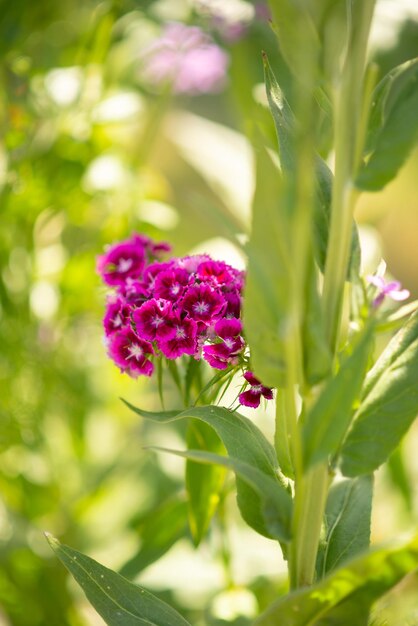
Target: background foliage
[[88, 154]]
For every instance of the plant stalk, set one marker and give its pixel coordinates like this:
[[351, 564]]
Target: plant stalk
[[311, 493], [348, 100]]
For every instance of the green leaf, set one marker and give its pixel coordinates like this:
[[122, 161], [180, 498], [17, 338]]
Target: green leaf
[[203, 482], [158, 532], [398, 472], [118, 601], [243, 442], [355, 586], [268, 273], [388, 406], [283, 118], [285, 122], [317, 356], [294, 23], [393, 126], [329, 418], [347, 523], [276, 502]]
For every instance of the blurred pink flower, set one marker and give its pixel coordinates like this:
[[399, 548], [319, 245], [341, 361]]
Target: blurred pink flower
[[392, 290], [187, 58]]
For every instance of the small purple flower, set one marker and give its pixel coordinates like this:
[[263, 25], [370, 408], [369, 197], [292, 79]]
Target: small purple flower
[[220, 355], [171, 284], [184, 340], [252, 397], [188, 59], [130, 353], [392, 290], [203, 303], [117, 315], [154, 320], [121, 261]]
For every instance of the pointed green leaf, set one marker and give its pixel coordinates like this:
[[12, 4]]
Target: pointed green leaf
[[388, 407], [158, 532], [283, 118], [317, 356], [276, 501], [294, 22], [244, 442], [203, 482], [268, 273], [393, 126], [400, 477], [355, 586], [118, 601], [347, 523], [285, 122], [329, 418]]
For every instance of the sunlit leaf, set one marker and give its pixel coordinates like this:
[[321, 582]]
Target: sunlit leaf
[[276, 503], [118, 601], [268, 274], [356, 586], [243, 442], [347, 523], [285, 123], [203, 482], [329, 418], [389, 405], [393, 127]]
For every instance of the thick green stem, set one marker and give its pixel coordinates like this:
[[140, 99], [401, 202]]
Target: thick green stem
[[310, 499]]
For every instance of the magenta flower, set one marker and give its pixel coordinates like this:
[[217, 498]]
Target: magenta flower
[[186, 306], [154, 320], [218, 272], [121, 261], [233, 304], [171, 284], [188, 59], [133, 292], [191, 263], [130, 353], [183, 342], [203, 303], [392, 290], [150, 274], [252, 397], [220, 355], [117, 315]]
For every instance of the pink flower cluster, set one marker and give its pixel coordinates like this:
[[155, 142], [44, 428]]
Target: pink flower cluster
[[188, 59], [188, 305]]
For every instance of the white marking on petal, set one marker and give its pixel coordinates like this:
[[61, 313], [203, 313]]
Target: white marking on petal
[[201, 307], [135, 351], [124, 265]]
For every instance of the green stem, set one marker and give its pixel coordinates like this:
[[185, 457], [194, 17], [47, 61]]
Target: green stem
[[310, 499]]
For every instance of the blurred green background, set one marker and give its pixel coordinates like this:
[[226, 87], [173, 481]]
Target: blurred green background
[[87, 154]]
